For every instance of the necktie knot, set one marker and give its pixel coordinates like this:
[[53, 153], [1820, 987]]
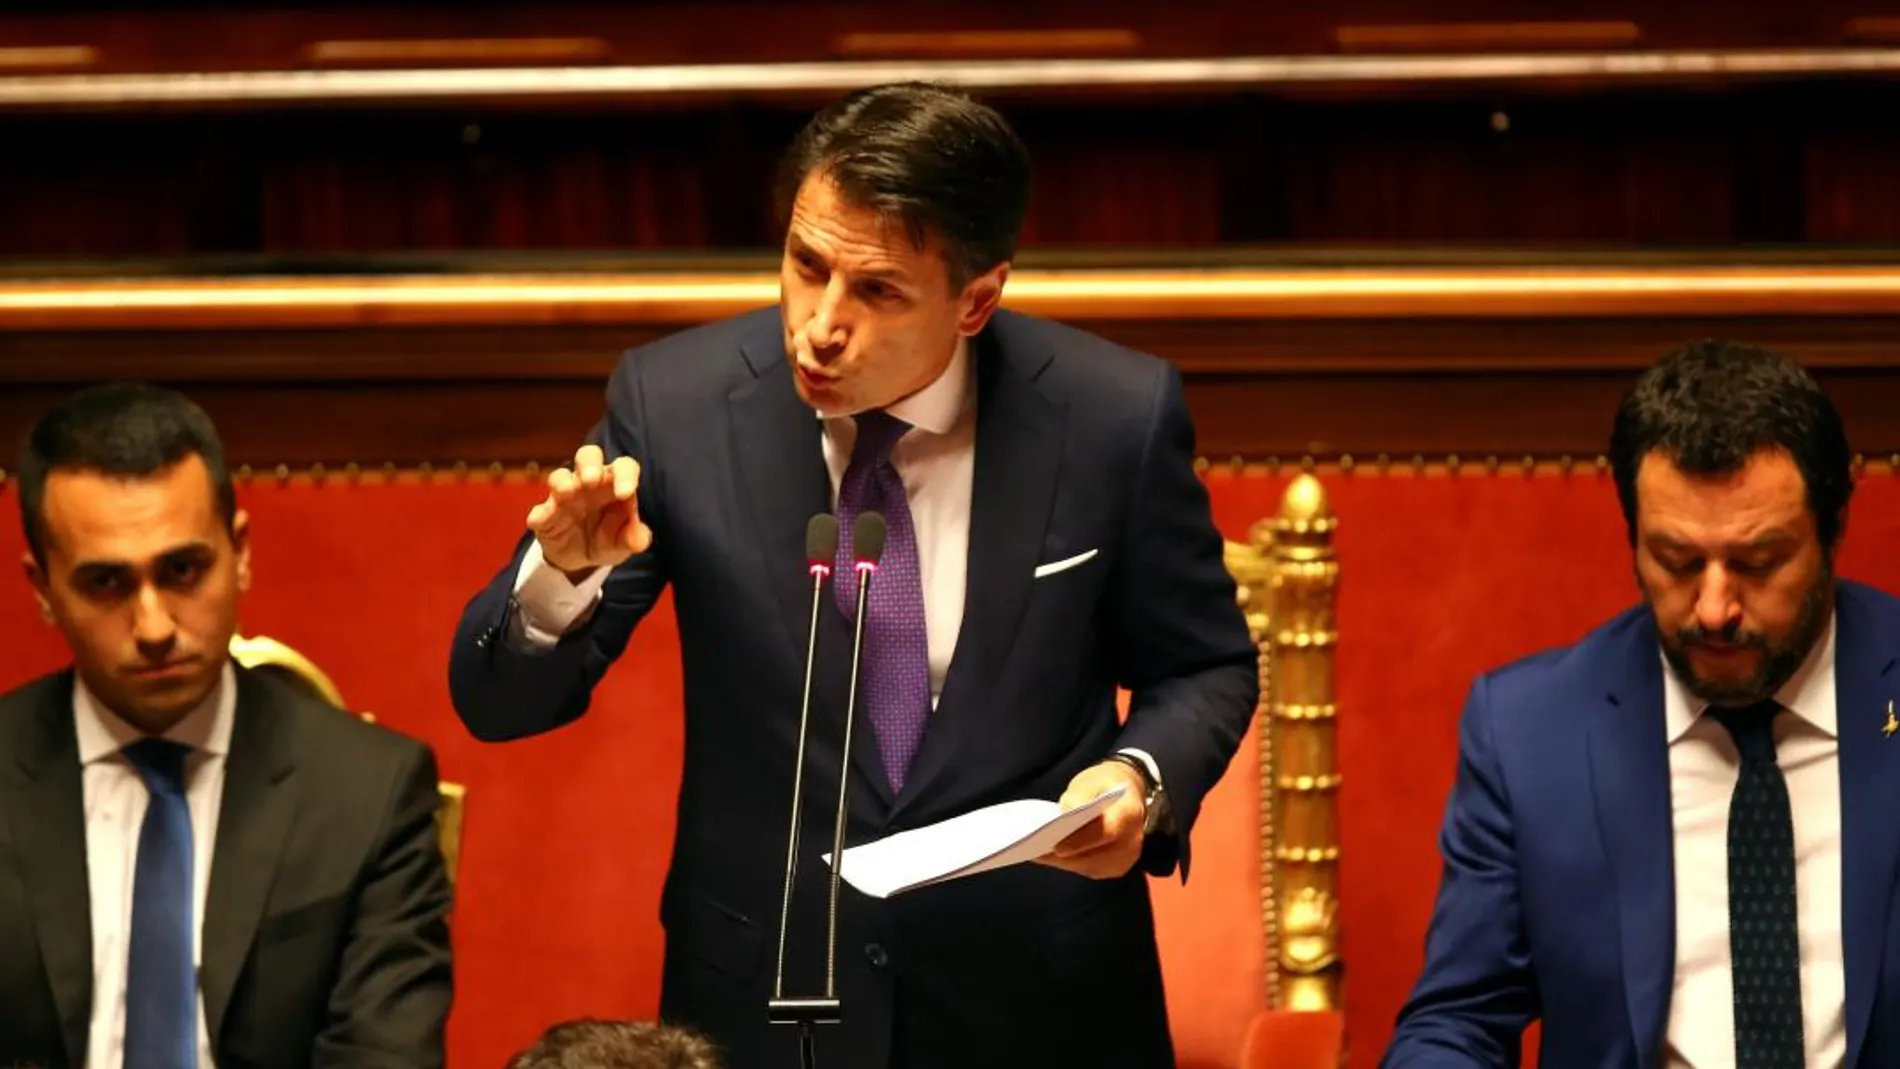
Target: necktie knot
[[878, 432], [1753, 729], [161, 764]]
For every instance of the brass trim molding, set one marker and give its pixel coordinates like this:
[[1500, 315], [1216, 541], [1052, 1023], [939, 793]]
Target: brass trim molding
[[47, 57], [371, 474], [1101, 294], [721, 81]]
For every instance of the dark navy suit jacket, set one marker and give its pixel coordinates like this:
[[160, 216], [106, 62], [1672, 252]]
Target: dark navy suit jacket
[[1558, 893], [1080, 445]]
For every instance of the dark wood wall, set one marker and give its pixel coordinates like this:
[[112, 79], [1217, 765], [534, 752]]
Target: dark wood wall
[[134, 145], [1376, 153], [1740, 166]]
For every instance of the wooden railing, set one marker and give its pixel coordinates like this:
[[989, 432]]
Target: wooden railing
[[1349, 364]]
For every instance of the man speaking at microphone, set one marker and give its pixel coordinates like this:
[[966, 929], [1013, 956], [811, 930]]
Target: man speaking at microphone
[[1048, 541]]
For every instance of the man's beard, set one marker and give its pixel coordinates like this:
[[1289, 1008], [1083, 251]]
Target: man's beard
[[1779, 661]]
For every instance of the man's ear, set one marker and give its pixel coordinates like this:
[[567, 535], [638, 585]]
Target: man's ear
[[36, 578], [241, 546], [979, 300]]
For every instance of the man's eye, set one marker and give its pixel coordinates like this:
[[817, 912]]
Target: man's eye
[[105, 585], [181, 573]]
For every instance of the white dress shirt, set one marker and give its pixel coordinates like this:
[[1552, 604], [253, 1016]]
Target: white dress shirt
[[1704, 765], [937, 462], [115, 800]]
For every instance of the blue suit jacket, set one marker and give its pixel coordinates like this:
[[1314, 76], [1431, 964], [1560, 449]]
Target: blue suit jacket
[[1080, 445], [1558, 892]]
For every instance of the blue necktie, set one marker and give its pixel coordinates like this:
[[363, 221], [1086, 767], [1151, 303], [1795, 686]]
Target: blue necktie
[[161, 983], [1764, 934], [896, 639]]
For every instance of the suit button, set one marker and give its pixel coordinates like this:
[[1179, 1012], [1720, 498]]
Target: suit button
[[877, 955]]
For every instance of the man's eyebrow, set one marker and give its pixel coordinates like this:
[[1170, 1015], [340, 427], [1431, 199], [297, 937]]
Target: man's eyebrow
[[891, 273], [190, 550]]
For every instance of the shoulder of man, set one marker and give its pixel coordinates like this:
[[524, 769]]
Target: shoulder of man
[[1541, 683], [1078, 366], [35, 691], [324, 734], [1881, 608], [706, 352], [17, 706]]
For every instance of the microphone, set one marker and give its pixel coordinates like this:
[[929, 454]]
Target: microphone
[[821, 541], [867, 547], [821, 551]]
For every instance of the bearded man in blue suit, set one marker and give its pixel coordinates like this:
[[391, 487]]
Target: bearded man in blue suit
[[1674, 842]]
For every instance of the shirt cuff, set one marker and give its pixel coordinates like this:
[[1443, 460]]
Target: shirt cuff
[[547, 604]]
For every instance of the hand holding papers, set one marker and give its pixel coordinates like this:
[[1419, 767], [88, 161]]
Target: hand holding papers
[[991, 838]]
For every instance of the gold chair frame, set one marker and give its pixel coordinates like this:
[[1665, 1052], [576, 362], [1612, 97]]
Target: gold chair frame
[[1288, 578]]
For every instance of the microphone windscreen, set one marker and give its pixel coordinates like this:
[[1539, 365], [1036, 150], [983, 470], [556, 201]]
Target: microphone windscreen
[[867, 537], [821, 538]]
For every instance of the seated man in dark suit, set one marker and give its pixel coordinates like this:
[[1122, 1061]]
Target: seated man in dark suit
[[1675, 841], [597, 1044], [198, 864]]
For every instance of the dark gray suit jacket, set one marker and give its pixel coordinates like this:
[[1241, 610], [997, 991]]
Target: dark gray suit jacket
[[325, 932]]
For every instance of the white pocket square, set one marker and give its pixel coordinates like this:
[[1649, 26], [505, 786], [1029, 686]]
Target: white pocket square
[[1063, 565]]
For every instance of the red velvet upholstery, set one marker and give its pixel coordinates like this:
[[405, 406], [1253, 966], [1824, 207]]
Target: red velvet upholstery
[[1292, 1039], [566, 835]]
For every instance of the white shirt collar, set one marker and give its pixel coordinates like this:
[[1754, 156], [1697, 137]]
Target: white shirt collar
[[1808, 694], [206, 729], [937, 407]]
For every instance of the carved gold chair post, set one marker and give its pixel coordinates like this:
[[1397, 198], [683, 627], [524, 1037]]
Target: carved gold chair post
[[268, 654], [1299, 757], [1288, 577]]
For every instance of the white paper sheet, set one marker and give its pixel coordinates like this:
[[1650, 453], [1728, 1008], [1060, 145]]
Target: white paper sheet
[[992, 838]]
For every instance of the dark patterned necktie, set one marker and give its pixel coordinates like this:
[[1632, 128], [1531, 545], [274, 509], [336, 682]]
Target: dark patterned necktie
[[1763, 933], [896, 672]]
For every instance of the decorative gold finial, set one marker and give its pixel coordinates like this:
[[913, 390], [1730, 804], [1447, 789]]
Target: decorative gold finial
[[1305, 500]]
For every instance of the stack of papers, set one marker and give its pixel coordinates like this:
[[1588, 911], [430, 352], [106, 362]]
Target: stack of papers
[[979, 841]]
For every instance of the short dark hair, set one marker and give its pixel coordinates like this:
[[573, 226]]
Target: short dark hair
[[591, 1043], [124, 429], [1711, 405], [927, 155]]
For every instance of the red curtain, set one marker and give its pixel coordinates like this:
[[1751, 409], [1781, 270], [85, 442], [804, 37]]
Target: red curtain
[[567, 835]]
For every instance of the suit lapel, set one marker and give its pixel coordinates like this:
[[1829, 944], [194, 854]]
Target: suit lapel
[[1870, 796], [254, 820], [1019, 439], [778, 447], [47, 807], [1629, 768]]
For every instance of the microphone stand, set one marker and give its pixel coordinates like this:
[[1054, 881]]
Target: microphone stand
[[867, 548]]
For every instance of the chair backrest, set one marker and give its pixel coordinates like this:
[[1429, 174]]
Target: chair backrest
[[1288, 579], [266, 654]]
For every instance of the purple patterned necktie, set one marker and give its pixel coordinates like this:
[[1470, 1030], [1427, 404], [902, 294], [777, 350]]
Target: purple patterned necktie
[[895, 682]]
